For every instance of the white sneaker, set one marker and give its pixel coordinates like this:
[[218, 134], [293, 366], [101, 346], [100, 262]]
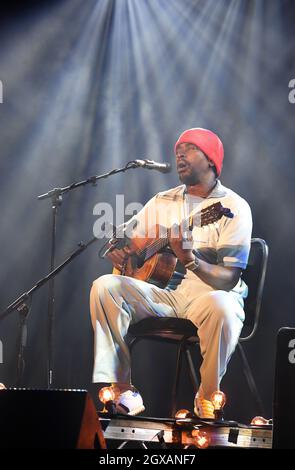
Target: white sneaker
[[204, 409], [130, 403]]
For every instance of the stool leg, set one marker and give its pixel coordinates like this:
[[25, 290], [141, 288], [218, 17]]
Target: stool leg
[[176, 380], [250, 380], [192, 370]]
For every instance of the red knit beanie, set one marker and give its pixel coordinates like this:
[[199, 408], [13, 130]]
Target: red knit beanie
[[207, 141]]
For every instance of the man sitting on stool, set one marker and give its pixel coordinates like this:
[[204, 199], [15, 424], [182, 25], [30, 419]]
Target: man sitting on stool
[[211, 291]]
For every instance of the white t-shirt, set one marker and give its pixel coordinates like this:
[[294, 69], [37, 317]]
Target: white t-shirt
[[225, 242]]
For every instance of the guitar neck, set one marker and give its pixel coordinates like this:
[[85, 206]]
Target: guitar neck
[[154, 247]]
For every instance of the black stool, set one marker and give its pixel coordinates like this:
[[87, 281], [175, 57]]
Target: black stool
[[184, 333]]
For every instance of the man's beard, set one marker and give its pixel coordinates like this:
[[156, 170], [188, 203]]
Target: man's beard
[[189, 179]]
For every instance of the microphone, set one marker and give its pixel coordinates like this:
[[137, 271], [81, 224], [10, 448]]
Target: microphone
[[151, 165]]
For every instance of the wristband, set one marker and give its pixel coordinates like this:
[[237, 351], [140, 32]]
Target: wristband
[[193, 265]]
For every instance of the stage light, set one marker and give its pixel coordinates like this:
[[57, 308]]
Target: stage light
[[218, 399], [202, 439], [259, 421], [2, 386], [107, 396], [182, 414]]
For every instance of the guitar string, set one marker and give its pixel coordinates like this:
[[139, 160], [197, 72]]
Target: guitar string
[[208, 212], [160, 243]]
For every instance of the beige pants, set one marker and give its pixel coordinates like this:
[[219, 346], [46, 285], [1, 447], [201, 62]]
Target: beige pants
[[117, 301]]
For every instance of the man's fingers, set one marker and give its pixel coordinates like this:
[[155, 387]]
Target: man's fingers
[[116, 262], [118, 266], [174, 231], [117, 257]]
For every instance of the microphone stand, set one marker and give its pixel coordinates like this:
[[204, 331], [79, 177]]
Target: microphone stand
[[56, 201], [23, 311], [21, 305]]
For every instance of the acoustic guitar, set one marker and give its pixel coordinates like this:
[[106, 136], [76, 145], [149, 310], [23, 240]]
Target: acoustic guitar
[[152, 260]]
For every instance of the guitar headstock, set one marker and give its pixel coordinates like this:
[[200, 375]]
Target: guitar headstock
[[213, 213]]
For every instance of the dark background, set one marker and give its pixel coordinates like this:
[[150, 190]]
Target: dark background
[[90, 85]]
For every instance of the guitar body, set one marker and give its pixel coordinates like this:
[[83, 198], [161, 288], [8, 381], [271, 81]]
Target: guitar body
[[156, 270], [152, 260], [150, 266]]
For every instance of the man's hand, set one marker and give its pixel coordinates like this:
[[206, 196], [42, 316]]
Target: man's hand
[[177, 242], [119, 256]]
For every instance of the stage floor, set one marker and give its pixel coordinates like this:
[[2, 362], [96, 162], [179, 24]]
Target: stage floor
[[161, 432]]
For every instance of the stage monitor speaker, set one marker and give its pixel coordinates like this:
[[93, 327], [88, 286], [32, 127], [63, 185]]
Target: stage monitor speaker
[[49, 419], [284, 391]]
